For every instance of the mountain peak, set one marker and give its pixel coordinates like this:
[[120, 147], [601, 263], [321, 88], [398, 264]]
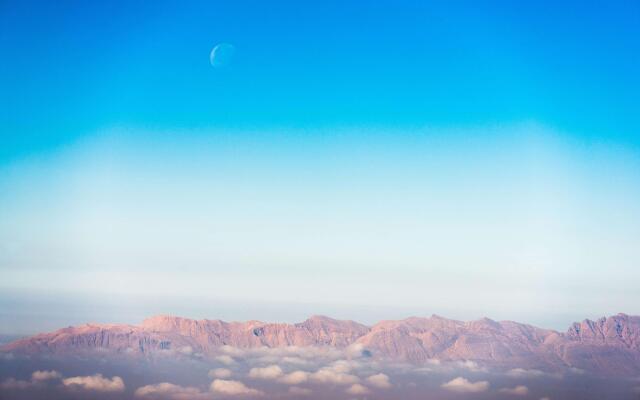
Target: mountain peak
[[608, 345], [321, 318]]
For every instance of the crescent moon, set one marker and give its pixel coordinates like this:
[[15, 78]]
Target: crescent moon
[[221, 55]]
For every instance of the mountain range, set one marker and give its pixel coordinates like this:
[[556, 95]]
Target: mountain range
[[607, 346]]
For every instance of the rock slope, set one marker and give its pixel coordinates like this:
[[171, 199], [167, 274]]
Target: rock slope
[[606, 346]]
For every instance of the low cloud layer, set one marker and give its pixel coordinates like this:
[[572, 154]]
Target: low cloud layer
[[169, 391], [313, 373], [298, 391], [96, 383], [38, 378], [15, 384], [233, 388], [380, 381], [358, 389], [463, 385], [271, 372], [221, 373], [519, 390], [295, 378]]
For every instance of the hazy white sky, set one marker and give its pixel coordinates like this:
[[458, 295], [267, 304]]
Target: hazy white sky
[[520, 222]]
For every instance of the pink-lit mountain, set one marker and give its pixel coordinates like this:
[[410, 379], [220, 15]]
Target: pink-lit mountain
[[606, 346]]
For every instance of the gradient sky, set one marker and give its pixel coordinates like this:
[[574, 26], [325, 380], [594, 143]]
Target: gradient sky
[[365, 161]]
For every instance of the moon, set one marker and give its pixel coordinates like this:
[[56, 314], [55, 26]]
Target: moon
[[221, 55]]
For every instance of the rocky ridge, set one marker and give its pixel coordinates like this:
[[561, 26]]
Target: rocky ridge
[[606, 346]]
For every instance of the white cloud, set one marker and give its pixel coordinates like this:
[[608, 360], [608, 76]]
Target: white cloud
[[298, 391], [462, 385], [96, 383], [328, 375], [234, 351], [169, 390], [519, 390], [380, 381], [343, 366], [294, 360], [310, 357], [186, 350], [471, 366], [531, 373], [525, 373], [268, 373], [39, 376], [337, 373], [222, 373], [358, 389], [225, 359], [233, 388], [295, 378], [354, 350]]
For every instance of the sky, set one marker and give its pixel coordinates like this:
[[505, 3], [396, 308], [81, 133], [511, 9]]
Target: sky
[[367, 161]]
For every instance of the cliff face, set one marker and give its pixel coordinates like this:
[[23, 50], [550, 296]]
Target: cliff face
[[620, 330], [611, 344], [204, 336], [606, 346], [420, 339]]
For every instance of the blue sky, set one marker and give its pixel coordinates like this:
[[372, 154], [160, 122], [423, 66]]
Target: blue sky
[[370, 161]]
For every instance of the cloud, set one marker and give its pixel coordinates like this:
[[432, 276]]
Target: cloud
[[519, 390], [522, 373], [234, 351], [576, 371], [294, 360], [298, 391], [354, 350], [269, 373], [337, 373], [39, 376], [233, 388], [471, 366], [222, 373], [169, 390], [462, 385], [357, 389], [328, 375], [343, 366], [13, 383], [295, 378], [308, 356], [525, 373], [96, 383], [380, 381], [225, 359]]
